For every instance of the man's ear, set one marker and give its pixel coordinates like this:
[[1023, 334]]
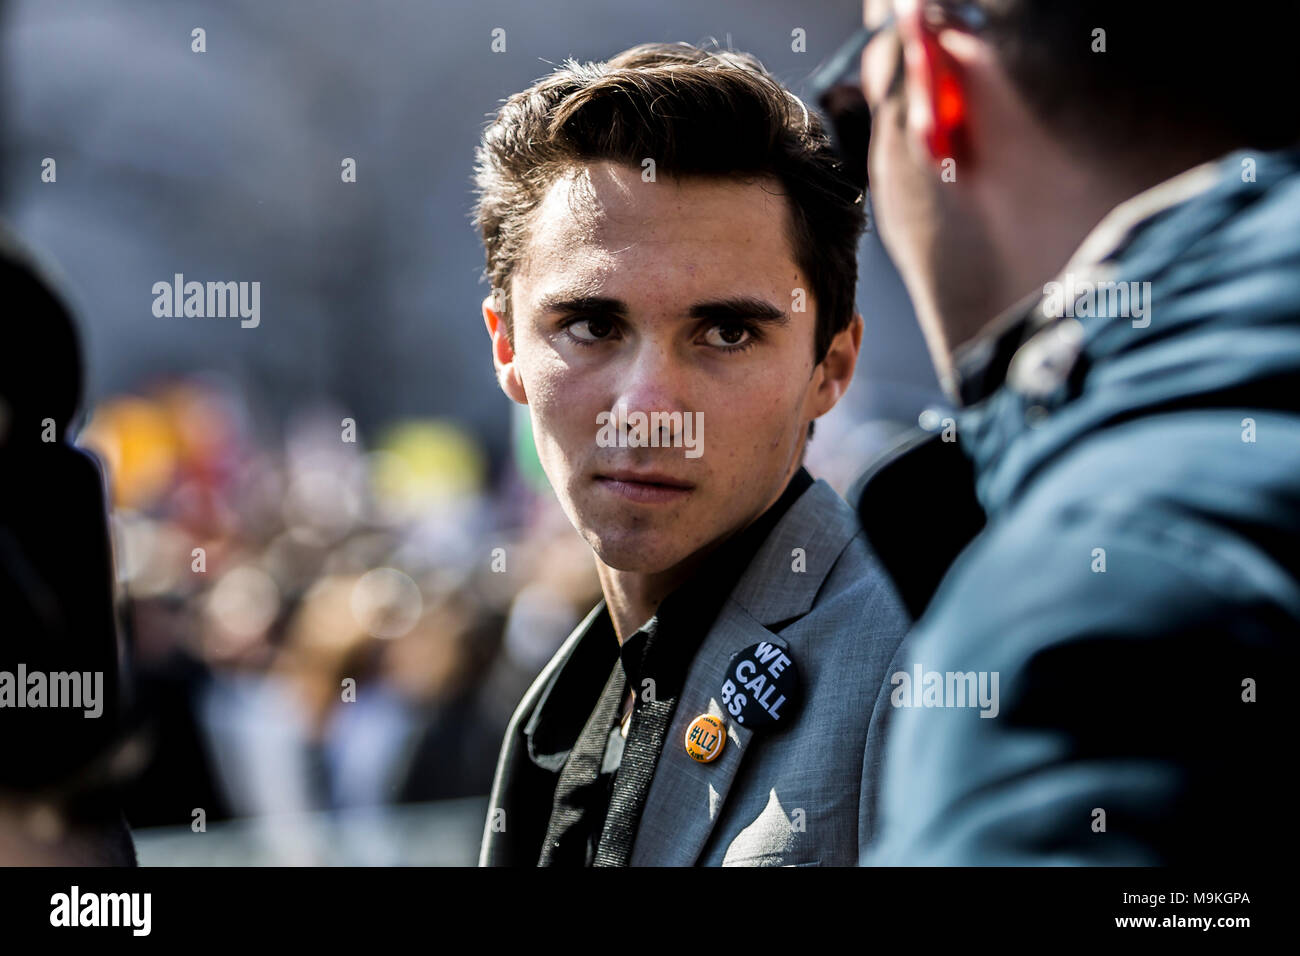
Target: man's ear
[[936, 88], [836, 369], [503, 353]]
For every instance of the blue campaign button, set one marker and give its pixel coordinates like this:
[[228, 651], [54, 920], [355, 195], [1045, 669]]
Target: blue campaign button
[[761, 686]]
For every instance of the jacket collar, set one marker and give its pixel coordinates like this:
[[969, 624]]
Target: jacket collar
[[1181, 245], [815, 530], [818, 523], [565, 702], [980, 366]]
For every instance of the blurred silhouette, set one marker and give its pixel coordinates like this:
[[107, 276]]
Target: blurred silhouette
[[57, 783]]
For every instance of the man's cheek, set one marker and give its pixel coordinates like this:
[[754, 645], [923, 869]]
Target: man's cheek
[[557, 412], [554, 437], [740, 440]]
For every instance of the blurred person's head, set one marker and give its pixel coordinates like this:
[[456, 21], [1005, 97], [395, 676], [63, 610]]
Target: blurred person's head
[[61, 771], [1002, 131], [49, 831], [448, 650], [667, 231], [327, 641]]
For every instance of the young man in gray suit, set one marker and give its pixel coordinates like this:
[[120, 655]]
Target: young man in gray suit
[[671, 244]]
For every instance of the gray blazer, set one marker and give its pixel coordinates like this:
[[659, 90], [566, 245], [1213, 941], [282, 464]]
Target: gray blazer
[[801, 795]]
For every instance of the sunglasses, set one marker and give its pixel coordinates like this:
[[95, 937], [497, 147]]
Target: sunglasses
[[835, 86]]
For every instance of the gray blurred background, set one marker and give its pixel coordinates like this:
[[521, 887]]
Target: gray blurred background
[[226, 165]]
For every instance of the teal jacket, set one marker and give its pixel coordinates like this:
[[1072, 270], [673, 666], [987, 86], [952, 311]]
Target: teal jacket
[[1114, 536]]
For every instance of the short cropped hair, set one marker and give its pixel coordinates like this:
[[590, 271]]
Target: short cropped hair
[[696, 113], [1123, 78]]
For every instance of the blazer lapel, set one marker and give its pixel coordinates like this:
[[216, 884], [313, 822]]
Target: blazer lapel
[[780, 584], [530, 742], [686, 796]]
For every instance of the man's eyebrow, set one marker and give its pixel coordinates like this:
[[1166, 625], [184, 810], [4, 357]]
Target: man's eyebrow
[[739, 308], [732, 309], [564, 302]]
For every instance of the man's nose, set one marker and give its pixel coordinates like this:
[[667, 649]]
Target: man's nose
[[654, 380]]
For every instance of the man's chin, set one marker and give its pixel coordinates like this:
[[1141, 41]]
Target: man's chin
[[638, 553]]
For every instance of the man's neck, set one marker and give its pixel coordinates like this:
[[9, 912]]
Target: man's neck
[[633, 597], [1037, 220]]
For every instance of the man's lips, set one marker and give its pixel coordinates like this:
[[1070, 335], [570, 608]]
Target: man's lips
[[648, 487], [646, 478]]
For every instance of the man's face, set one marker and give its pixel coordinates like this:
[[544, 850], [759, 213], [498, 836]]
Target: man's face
[[668, 296], [932, 226], [903, 194], [935, 238]]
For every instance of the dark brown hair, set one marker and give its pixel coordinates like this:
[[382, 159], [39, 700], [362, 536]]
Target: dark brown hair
[[1118, 77], [695, 113]]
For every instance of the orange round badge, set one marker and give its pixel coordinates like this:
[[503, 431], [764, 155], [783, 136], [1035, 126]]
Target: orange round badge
[[704, 738]]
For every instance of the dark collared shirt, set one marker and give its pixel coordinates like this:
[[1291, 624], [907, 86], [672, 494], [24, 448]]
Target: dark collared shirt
[[980, 367], [601, 788]]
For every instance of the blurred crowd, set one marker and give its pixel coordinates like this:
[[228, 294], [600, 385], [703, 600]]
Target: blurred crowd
[[322, 619]]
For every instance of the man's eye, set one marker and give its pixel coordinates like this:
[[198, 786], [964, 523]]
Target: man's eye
[[590, 330], [729, 336]]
